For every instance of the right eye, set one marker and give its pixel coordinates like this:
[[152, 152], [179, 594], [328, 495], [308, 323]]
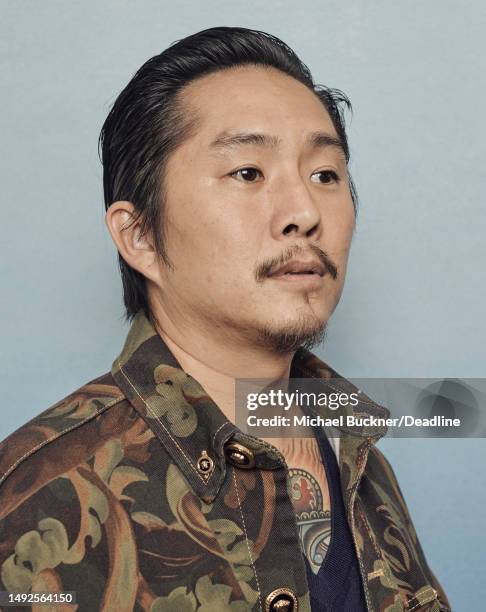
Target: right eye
[[246, 175]]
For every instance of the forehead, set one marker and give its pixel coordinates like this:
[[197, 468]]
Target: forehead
[[256, 98]]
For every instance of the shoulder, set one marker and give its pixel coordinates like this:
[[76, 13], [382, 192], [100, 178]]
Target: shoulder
[[57, 437], [55, 476]]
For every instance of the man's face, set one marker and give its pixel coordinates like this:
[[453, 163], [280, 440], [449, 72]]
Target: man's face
[[237, 210]]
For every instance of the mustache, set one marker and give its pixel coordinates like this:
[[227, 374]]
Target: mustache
[[264, 269]]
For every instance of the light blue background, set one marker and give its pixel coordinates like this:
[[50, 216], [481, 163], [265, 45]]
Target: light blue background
[[414, 301]]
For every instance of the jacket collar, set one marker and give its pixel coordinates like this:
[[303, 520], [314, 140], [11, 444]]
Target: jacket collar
[[188, 422]]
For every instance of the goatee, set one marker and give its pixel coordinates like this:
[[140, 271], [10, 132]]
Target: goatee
[[305, 333]]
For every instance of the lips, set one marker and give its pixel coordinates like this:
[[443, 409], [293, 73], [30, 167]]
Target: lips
[[300, 267]]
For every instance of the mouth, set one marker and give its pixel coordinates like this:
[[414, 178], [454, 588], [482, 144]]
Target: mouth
[[300, 269], [298, 275], [309, 273], [308, 280]]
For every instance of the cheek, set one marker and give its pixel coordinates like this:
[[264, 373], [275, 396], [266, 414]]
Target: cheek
[[345, 221], [338, 240], [212, 257], [337, 244]]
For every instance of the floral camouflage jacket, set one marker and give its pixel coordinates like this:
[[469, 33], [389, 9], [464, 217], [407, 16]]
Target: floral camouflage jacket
[[137, 493]]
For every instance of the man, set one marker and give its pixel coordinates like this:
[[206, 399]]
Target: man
[[230, 203]]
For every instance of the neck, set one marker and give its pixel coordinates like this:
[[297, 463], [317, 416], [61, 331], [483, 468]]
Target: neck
[[216, 363]]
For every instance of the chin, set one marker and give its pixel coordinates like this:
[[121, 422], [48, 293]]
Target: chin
[[307, 331]]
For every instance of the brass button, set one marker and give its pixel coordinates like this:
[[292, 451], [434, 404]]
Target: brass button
[[239, 455], [205, 465], [281, 600]]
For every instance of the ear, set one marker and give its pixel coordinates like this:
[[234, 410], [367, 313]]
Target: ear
[[136, 250]]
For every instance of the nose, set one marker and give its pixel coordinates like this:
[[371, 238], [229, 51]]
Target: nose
[[295, 211]]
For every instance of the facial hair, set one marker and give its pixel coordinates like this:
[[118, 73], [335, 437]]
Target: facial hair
[[284, 338]]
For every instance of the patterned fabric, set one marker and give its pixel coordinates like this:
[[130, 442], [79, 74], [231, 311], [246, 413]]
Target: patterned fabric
[[102, 494]]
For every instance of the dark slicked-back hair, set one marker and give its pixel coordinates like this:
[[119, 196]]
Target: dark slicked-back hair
[[148, 122]]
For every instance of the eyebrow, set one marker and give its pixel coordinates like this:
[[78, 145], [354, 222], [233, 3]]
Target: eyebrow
[[229, 140]]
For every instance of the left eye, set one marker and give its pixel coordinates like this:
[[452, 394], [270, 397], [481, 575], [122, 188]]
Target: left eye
[[247, 175], [326, 176]]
